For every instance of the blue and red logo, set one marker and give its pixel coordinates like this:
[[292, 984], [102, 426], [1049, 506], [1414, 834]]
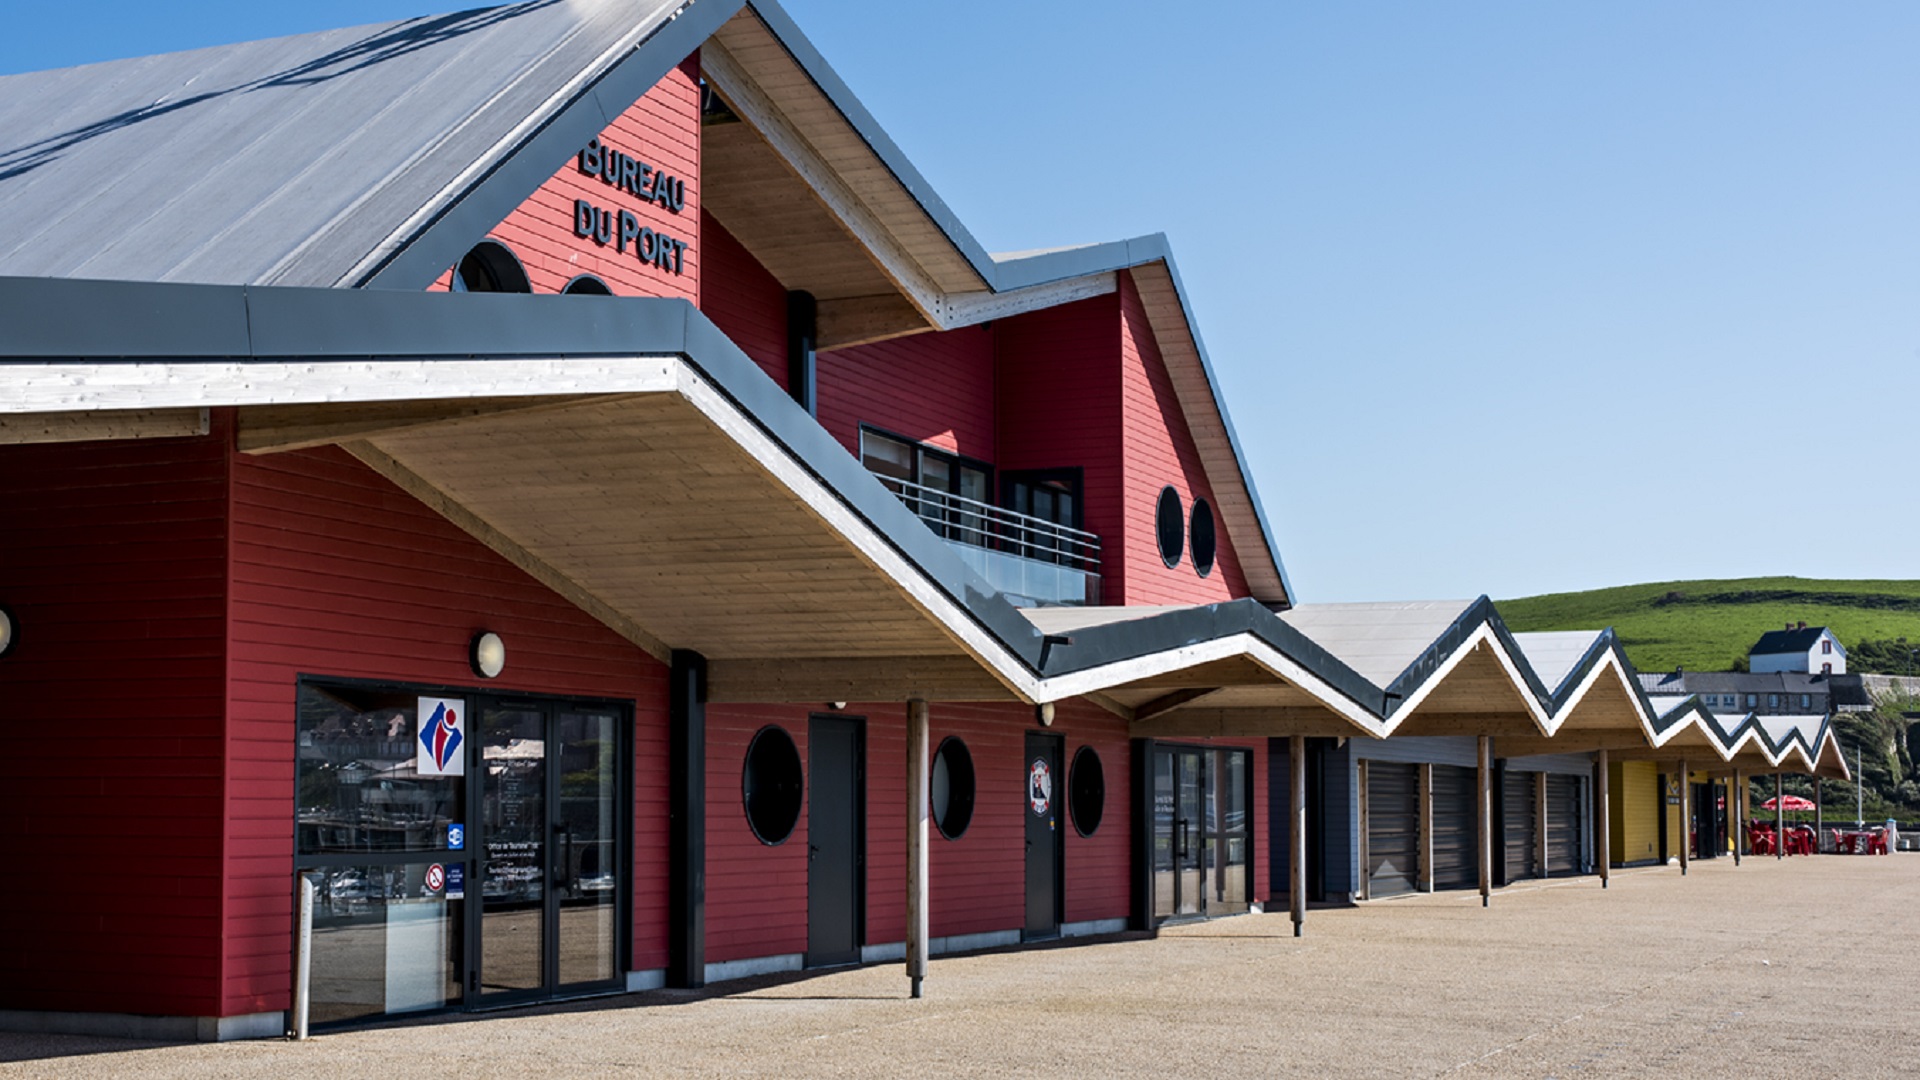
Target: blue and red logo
[[441, 734]]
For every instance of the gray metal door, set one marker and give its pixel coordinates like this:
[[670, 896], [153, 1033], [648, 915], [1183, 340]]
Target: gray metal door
[[1563, 823], [834, 863], [1455, 824], [1393, 828], [1045, 790], [1519, 819]]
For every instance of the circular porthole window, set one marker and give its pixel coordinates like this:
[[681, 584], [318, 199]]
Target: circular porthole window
[[1171, 523], [1202, 533], [587, 285], [771, 785], [490, 267], [1087, 791], [952, 788]]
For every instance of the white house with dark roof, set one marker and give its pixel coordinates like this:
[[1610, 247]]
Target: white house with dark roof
[[1813, 650]]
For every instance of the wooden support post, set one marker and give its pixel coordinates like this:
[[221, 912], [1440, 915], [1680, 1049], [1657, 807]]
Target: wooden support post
[[1424, 858], [1686, 816], [1736, 806], [1819, 818], [1297, 826], [1540, 824], [1779, 818], [919, 802], [1365, 831], [1603, 822], [1484, 838]]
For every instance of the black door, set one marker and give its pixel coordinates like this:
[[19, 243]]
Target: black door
[[835, 868], [1044, 851]]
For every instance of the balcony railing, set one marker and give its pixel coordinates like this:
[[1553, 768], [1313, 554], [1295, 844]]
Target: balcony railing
[[1030, 559]]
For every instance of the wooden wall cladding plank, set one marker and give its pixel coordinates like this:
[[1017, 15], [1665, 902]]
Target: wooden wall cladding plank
[[337, 572], [112, 558], [936, 388], [1159, 451], [662, 129], [743, 299], [756, 893]]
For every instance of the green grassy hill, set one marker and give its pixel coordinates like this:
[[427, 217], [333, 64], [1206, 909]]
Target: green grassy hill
[[1708, 625]]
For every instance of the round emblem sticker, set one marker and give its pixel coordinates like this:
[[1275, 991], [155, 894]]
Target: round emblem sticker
[[436, 877], [1040, 786]]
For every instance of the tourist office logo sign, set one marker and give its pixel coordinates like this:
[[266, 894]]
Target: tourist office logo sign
[[441, 748]]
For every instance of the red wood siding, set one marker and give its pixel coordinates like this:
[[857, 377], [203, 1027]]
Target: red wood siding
[[112, 558], [662, 129], [756, 894], [931, 388], [1099, 875], [1059, 403], [1159, 451], [743, 299], [337, 572]]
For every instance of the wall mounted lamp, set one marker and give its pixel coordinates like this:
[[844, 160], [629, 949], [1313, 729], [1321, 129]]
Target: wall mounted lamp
[[487, 654], [9, 633]]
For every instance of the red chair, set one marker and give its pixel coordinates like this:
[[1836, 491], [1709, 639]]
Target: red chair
[[1843, 842], [1877, 842], [1802, 841], [1760, 840]]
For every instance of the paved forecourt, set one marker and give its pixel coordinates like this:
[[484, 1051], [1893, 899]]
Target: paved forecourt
[[1773, 968]]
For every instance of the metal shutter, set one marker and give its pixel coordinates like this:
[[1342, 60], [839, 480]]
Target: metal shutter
[[1519, 829], [1455, 865], [1563, 823], [1393, 827]]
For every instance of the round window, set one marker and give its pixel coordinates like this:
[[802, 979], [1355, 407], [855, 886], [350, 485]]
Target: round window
[[1202, 533], [1087, 791], [771, 785], [586, 285], [1171, 524], [490, 267], [952, 788]]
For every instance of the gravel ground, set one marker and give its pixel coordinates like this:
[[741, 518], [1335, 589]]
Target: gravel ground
[[1795, 968]]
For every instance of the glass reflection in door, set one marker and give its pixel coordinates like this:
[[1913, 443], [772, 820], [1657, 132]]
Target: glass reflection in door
[[585, 858], [513, 810]]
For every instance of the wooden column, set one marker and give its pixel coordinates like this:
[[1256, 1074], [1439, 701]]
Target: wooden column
[[1484, 816], [1603, 822], [1540, 823], [1686, 816], [1819, 817], [1779, 819], [1737, 812], [1297, 826], [919, 801], [1425, 855]]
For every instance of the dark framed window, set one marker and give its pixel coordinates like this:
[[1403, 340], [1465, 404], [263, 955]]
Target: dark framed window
[[586, 285], [772, 783], [1087, 791], [1050, 497], [952, 788], [1170, 524], [1200, 535], [946, 490], [490, 267]]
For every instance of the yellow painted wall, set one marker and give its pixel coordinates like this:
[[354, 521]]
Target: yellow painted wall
[[1633, 811]]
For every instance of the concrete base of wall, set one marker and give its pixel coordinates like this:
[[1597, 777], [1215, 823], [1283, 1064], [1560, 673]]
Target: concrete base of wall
[[646, 980], [267, 1025], [1093, 927], [758, 965]]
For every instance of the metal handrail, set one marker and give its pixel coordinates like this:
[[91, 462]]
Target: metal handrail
[[983, 525]]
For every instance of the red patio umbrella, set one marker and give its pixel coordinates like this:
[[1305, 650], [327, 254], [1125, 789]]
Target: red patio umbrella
[[1794, 802]]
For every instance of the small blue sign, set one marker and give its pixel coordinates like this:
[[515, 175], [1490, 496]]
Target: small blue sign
[[456, 881], [456, 837]]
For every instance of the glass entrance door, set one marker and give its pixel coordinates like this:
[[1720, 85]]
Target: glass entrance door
[[549, 856], [1201, 833]]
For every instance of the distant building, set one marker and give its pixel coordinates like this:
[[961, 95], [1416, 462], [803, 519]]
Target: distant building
[[1810, 650], [1767, 693]]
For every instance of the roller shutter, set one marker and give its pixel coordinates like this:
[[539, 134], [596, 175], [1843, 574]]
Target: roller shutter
[[1393, 828], [1520, 827], [1563, 823], [1454, 825]]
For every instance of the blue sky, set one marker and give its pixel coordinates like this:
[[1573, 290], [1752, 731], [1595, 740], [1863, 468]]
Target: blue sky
[[1507, 297]]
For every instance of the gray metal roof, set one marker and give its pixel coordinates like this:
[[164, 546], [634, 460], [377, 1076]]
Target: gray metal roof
[[284, 161], [1733, 682], [1379, 641], [1787, 641], [1554, 655]]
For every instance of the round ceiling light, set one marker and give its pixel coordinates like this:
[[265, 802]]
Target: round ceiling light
[[487, 654]]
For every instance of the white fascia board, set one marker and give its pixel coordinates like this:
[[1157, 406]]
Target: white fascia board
[[1481, 634], [81, 387], [1093, 680]]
